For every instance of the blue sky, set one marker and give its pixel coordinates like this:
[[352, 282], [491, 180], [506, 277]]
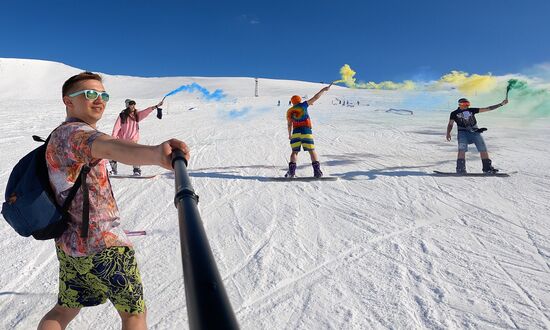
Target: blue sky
[[302, 40]]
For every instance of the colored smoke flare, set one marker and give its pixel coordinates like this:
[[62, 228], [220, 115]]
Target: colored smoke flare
[[469, 84], [515, 84], [531, 102], [528, 102], [206, 94], [347, 77]]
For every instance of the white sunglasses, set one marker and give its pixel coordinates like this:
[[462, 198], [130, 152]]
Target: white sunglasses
[[92, 95]]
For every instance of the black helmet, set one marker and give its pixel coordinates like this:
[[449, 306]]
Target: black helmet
[[129, 102]]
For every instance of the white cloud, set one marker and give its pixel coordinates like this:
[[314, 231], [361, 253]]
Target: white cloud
[[250, 19], [541, 71]]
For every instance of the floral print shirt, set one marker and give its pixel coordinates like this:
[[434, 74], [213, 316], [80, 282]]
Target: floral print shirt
[[69, 148]]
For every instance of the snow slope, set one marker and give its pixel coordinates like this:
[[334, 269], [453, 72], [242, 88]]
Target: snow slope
[[388, 245]]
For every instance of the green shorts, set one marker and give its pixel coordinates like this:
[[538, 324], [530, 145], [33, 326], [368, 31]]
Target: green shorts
[[110, 274]]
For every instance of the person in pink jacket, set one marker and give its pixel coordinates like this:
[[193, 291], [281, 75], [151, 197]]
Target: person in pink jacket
[[127, 127]]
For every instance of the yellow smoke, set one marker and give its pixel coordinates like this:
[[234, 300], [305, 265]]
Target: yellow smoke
[[469, 84], [346, 73], [347, 77], [464, 82], [406, 85]]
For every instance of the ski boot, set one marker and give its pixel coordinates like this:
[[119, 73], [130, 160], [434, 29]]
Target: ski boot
[[461, 166], [487, 167], [291, 170], [317, 169], [137, 171]]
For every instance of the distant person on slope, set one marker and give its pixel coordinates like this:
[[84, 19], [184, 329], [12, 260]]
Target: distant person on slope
[[99, 265], [300, 134], [127, 127], [469, 133]]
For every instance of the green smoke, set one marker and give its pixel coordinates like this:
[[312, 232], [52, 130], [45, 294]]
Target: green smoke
[[515, 84], [533, 102]]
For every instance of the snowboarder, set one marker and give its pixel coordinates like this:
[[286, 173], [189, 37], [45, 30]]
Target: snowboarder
[[101, 265], [300, 134], [469, 133], [127, 127]]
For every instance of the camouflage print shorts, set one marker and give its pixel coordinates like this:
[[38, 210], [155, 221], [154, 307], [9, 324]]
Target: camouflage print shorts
[[110, 274]]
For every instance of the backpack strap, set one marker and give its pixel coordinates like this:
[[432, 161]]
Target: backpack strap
[[80, 182], [86, 198], [85, 202]]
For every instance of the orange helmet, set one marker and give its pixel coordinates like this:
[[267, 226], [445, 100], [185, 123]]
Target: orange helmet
[[295, 99]]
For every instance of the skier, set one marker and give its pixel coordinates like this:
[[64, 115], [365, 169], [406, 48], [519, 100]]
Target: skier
[[300, 134], [127, 128], [469, 133], [101, 265]]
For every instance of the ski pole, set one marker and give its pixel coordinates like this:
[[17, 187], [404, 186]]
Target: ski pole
[[208, 306]]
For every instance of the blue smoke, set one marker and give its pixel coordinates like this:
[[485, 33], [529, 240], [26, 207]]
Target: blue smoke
[[245, 113], [216, 95], [419, 101], [235, 114]]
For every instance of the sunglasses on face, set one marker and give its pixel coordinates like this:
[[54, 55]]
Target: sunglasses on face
[[92, 95]]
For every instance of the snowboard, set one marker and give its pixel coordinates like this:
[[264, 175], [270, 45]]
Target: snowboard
[[303, 178], [119, 176], [135, 232], [499, 174]]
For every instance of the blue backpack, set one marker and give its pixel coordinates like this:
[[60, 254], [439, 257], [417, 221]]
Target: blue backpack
[[30, 206]]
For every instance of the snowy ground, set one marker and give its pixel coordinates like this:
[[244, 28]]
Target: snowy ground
[[387, 246]]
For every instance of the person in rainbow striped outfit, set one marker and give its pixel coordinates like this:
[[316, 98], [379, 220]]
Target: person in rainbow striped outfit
[[300, 133]]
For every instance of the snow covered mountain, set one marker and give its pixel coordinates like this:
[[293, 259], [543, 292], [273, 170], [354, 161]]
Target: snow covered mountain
[[388, 245]]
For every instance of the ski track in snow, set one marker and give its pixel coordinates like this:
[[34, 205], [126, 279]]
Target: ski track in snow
[[388, 245]]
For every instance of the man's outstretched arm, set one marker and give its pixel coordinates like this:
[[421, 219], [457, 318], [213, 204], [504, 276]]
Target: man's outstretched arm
[[493, 107], [318, 95], [107, 147]]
